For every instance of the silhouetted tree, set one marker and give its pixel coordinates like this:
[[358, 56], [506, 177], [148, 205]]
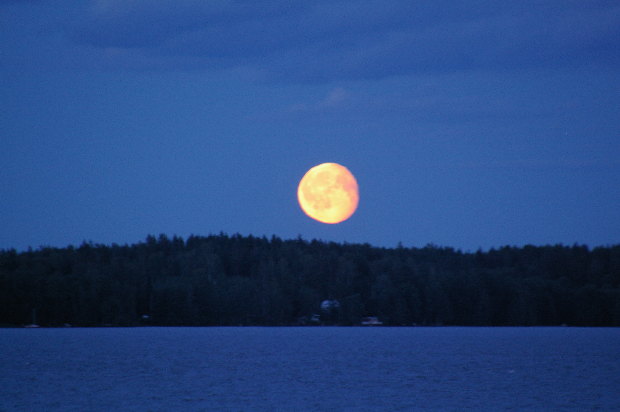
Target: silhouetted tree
[[236, 280]]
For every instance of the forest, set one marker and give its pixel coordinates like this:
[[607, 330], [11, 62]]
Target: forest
[[247, 280]]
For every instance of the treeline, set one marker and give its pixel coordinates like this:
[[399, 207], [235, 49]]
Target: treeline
[[237, 280]]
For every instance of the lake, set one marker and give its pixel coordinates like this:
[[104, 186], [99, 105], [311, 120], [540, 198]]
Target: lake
[[309, 368]]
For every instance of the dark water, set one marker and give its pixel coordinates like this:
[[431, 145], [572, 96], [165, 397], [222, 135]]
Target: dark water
[[249, 369]]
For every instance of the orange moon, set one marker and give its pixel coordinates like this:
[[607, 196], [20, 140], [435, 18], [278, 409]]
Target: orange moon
[[328, 193]]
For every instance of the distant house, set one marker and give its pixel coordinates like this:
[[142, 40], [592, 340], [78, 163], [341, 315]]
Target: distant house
[[329, 305], [371, 321]]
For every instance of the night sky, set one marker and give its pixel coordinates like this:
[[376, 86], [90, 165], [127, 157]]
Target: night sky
[[471, 124]]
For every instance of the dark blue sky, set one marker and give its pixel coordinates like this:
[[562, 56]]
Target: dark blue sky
[[467, 124]]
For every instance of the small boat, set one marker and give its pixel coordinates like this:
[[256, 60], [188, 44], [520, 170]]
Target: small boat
[[371, 321]]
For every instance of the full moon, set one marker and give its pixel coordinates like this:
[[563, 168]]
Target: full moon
[[328, 193]]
